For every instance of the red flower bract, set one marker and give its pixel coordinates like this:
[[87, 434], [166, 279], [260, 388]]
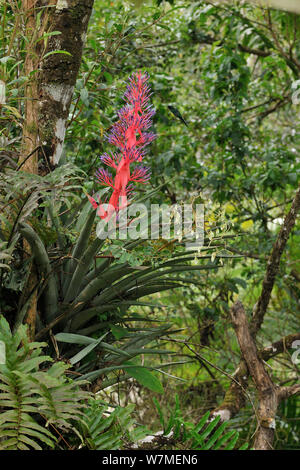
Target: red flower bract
[[129, 135]]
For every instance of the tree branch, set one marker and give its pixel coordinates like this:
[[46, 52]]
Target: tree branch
[[269, 394], [234, 398], [273, 265], [278, 347], [268, 399], [258, 52], [286, 392]]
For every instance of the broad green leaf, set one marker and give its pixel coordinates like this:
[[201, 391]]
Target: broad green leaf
[[145, 377]]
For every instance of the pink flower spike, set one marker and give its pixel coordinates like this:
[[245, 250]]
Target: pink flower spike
[[92, 201], [129, 135], [110, 160], [104, 177], [101, 212], [140, 174]]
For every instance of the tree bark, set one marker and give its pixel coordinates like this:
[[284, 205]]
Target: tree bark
[[30, 140], [58, 73], [268, 399], [52, 73], [269, 394], [273, 264], [235, 398], [50, 83], [30, 134]]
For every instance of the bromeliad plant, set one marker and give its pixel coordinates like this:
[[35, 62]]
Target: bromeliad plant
[[84, 288], [129, 135]]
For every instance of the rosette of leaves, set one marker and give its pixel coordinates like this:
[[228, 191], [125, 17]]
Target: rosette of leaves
[[84, 286]]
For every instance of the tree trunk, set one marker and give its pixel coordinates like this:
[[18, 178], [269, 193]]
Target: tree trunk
[[30, 131], [58, 74], [52, 76], [269, 394], [48, 93], [29, 156]]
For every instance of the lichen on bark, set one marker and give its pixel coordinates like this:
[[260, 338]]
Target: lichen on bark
[[58, 73]]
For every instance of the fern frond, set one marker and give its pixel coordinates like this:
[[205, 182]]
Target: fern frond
[[206, 435], [28, 394], [110, 431]]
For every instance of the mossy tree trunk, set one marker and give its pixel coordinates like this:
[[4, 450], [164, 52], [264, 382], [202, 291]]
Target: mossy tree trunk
[[52, 73], [30, 138], [30, 133], [51, 78], [58, 74]]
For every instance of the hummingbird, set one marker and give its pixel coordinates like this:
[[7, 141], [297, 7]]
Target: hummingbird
[[177, 114]]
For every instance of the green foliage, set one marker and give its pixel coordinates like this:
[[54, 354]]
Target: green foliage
[[35, 394], [103, 430], [114, 358], [4, 255], [86, 284], [233, 74], [23, 193], [145, 377], [207, 434], [288, 426]]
